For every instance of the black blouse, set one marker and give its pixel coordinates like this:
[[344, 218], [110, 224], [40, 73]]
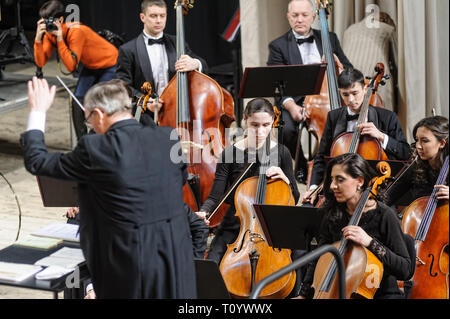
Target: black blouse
[[233, 162], [408, 188], [388, 246]]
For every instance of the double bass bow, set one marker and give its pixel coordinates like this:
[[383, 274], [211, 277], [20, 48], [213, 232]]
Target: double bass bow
[[250, 259], [426, 220], [362, 267], [200, 110]]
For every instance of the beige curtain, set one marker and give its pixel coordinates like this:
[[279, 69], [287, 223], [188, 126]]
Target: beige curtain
[[421, 40]]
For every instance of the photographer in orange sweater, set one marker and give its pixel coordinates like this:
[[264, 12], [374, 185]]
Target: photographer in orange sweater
[[78, 47]]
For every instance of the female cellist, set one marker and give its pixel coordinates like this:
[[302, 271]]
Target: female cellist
[[426, 218], [259, 117], [380, 124], [431, 144], [379, 229]]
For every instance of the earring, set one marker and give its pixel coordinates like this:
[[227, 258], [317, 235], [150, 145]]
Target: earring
[[359, 188]]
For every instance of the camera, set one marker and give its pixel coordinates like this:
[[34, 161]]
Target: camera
[[50, 24]]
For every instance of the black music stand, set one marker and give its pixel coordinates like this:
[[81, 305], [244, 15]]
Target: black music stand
[[210, 284], [57, 193], [284, 80], [290, 227]]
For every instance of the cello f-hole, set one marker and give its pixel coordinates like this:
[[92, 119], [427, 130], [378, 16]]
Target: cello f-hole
[[242, 242]]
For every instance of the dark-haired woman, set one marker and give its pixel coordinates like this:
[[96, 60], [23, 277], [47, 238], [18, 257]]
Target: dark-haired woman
[[379, 229], [259, 118], [431, 145]]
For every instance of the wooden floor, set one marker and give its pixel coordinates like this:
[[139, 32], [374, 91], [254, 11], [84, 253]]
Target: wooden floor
[[24, 185]]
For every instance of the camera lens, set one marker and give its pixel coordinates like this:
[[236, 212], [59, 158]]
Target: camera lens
[[50, 24]]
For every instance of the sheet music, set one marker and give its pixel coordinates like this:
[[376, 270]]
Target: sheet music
[[17, 272], [63, 231], [65, 257]]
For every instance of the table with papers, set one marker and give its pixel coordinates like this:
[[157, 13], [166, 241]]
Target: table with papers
[[29, 261]]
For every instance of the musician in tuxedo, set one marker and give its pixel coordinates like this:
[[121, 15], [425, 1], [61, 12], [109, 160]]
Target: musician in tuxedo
[[134, 233], [381, 124], [152, 56], [300, 45]]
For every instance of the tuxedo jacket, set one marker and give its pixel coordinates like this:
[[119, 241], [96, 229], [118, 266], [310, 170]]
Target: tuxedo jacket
[[134, 231], [284, 51], [134, 65], [386, 122]]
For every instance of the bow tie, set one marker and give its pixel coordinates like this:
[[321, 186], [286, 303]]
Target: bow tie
[[156, 41], [308, 39], [352, 117]]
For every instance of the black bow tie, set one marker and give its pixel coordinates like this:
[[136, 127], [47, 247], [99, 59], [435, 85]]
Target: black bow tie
[[156, 41], [308, 39], [352, 117]]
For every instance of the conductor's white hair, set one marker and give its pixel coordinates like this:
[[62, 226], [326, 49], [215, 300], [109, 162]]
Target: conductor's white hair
[[111, 97], [311, 2]]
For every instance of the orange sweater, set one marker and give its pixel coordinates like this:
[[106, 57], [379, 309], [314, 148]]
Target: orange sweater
[[91, 49]]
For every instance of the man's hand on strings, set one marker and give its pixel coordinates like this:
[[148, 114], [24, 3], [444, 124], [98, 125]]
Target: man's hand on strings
[[186, 64], [370, 129], [40, 96]]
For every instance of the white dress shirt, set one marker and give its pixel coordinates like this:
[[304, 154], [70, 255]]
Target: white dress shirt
[[36, 121], [309, 52], [159, 63]]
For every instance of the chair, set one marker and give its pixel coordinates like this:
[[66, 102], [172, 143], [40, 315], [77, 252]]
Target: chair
[[411, 246]]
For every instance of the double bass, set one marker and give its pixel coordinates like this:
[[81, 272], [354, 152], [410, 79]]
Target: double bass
[[364, 270], [200, 110], [426, 220], [318, 106], [250, 259]]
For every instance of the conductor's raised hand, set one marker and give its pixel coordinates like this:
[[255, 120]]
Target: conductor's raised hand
[[40, 96]]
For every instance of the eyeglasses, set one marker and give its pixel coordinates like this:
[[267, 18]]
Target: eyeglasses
[[86, 120]]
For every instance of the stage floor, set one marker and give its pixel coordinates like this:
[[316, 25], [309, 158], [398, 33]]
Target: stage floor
[[13, 90]]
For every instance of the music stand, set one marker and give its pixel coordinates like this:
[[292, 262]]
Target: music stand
[[290, 227], [57, 193], [210, 284], [282, 80]]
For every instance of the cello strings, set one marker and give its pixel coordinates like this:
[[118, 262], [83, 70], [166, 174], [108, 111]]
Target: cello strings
[[432, 204]]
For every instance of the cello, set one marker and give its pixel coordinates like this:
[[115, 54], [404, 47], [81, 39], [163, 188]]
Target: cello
[[353, 142], [362, 267], [250, 259], [426, 220], [200, 110]]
